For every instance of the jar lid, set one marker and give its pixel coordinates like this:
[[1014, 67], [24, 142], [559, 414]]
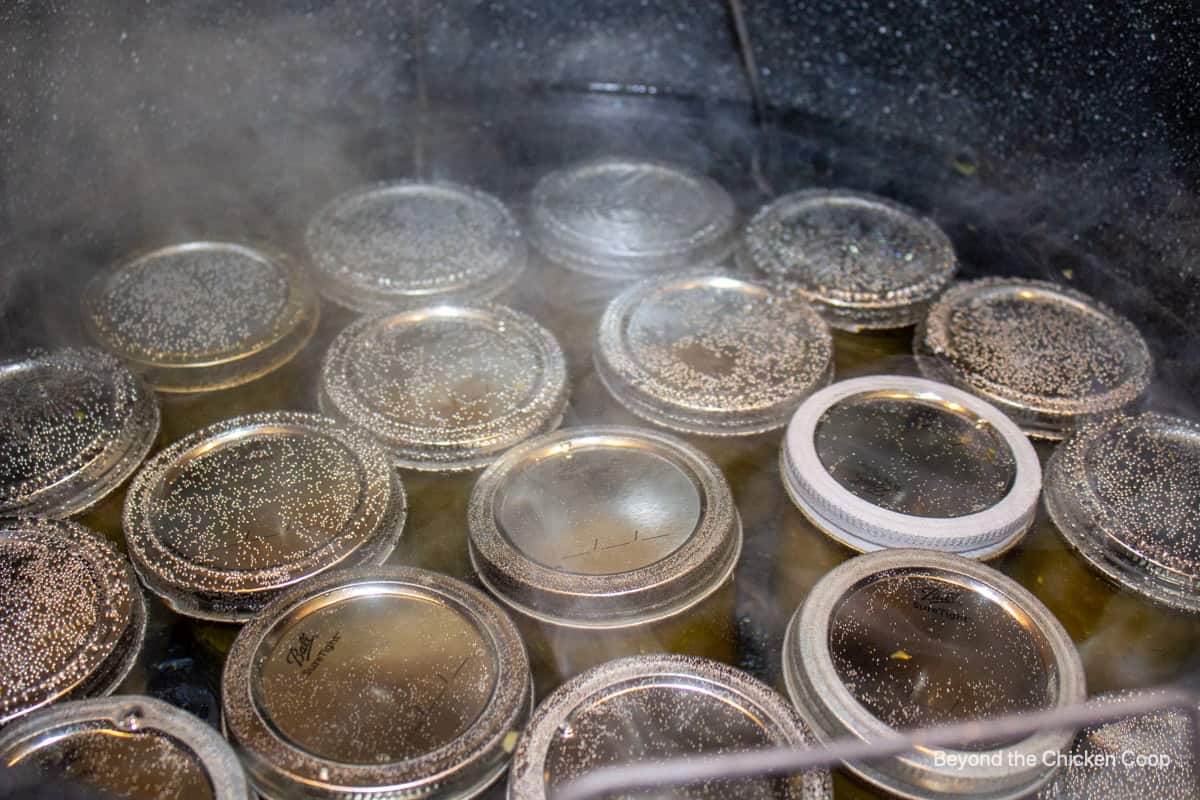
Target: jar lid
[[409, 243], [603, 527], [1047, 355], [446, 387], [317, 701], [226, 518], [892, 461], [1150, 755], [128, 746], [57, 644], [77, 423], [710, 354], [653, 707], [1125, 493], [904, 639], [202, 315], [620, 218], [863, 261]]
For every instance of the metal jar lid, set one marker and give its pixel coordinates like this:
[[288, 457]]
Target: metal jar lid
[[405, 244], [619, 218], [1125, 493], [130, 747], [652, 707], [202, 315], [603, 527], [56, 644], [385, 682], [863, 261], [710, 354], [446, 387], [1146, 756], [905, 639], [893, 461], [226, 518], [76, 424], [1047, 355]]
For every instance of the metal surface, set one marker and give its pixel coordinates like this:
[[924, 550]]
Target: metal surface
[[893, 461], [863, 261], [223, 520], [59, 644], [1147, 755], [1048, 355], [409, 244], [203, 315], [712, 354], [686, 771], [906, 638], [645, 708], [319, 704], [76, 425], [129, 747], [603, 527], [620, 218], [1125, 494], [447, 387]]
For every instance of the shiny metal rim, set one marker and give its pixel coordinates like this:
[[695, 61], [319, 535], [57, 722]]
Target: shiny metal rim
[[825, 703], [527, 778], [459, 769], [196, 590], [1041, 416], [129, 713], [202, 371], [661, 589]]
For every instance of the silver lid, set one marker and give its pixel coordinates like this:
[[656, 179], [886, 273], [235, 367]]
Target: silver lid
[[1147, 756], [647, 708], [1047, 355], [405, 244], [863, 261], [711, 354], [202, 315], [56, 644], [446, 387], [226, 518], [892, 461], [618, 218], [130, 747], [1125, 493], [76, 424], [392, 682], [909, 638], [603, 527]]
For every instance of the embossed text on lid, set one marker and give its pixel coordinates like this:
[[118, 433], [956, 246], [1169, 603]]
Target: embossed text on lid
[[225, 518], [446, 387], [603, 526], [202, 315], [1048, 355], [616, 218], [409, 243], [647, 708], [55, 643], [1125, 492], [864, 261], [904, 638], [374, 679], [77, 423], [712, 354], [127, 746]]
